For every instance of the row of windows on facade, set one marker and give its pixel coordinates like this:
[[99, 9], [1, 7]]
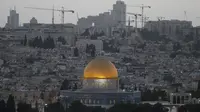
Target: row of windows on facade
[[95, 101], [180, 99]]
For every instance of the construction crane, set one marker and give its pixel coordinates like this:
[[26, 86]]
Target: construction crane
[[129, 13], [62, 10], [136, 17], [142, 7], [129, 24], [160, 18]]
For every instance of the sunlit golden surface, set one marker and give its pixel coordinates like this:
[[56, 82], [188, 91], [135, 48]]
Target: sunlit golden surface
[[100, 68]]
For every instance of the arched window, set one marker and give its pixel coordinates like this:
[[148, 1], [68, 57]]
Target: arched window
[[97, 101], [110, 101], [178, 100], [94, 102], [174, 99], [182, 99], [90, 101], [85, 101]]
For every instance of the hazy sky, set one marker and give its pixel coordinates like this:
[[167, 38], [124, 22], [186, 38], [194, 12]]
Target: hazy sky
[[170, 9]]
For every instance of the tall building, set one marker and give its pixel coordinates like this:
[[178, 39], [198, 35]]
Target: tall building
[[105, 21], [13, 19], [101, 22], [119, 13]]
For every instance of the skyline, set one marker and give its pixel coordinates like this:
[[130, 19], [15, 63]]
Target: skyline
[[168, 9]]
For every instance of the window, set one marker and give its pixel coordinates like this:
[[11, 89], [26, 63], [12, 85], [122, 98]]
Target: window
[[85, 101], [178, 100], [97, 101], [174, 100], [182, 99], [110, 101]]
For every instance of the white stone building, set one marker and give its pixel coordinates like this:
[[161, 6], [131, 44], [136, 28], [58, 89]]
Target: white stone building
[[168, 27], [119, 13], [105, 21]]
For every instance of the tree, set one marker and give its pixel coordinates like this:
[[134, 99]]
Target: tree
[[62, 40], [42, 95], [55, 107], [76, 52], [77, 106], [176, 46], [121, 84], [158, 108], [191, 108], [122, 107], [182, 109], [93, 51], [25, 40], [168, 78], [162, 48], [102, 33], [144, 108], [172, 55], [86, 32], [123, 34], [87, 50], [23, 107], [97, 109], [196, 45], [40, 42], [2, 106], [10, 104], [188, 37], [154, 95], [49, 43], [75, 87], [65, 85]]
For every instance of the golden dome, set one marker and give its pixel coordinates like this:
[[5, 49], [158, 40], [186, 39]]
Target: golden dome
[[100, 68]]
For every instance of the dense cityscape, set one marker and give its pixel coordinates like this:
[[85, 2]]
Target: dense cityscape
[[116, 61]]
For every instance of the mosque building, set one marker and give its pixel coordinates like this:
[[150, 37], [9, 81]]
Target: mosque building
[[100, 87]]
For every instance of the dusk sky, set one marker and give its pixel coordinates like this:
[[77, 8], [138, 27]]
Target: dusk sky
[[170, 9]]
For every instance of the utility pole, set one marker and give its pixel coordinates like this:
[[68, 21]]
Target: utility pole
[[185, 16], [63, 15], [53, 17]]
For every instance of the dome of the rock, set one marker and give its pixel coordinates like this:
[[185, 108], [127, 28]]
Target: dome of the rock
[[100, 68]]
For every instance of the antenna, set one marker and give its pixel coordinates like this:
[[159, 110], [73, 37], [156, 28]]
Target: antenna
[[185, 15], [53, 18], [15, 8], [77, 15]]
